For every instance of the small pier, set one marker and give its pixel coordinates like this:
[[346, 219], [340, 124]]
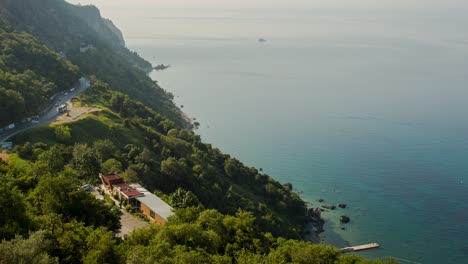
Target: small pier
[[359, 248]]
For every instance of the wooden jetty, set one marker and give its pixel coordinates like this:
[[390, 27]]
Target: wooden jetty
[[361, 247]]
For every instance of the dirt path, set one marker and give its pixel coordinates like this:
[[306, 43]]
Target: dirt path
[[75, 113]]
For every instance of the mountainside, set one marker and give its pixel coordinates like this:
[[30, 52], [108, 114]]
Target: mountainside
[[151, 146], [30, 74], [148, 148], [59, 25], [92, 43], [225, 212]]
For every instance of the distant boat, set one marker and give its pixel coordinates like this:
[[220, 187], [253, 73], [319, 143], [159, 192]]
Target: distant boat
[[261, 40]]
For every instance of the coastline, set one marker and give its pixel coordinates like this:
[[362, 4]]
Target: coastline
[[315, 223], [314, 226], [312, 233], [188, 121]]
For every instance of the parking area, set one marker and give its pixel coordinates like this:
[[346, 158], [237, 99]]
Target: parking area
[[130, 223], [74, 113]]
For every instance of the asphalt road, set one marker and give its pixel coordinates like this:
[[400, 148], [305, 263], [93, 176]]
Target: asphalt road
[[50, 114]]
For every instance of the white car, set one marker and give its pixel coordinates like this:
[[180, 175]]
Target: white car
[[72, 89]]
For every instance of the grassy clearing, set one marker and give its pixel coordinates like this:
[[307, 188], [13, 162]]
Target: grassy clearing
[[102, 125]]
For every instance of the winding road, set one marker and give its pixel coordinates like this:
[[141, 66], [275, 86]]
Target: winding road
[[50, 114]]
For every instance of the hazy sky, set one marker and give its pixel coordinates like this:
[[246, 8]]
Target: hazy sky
[[284, 3]]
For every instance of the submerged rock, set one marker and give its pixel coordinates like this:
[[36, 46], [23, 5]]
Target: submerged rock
[[342, 205], [331, 207], [345, 219]]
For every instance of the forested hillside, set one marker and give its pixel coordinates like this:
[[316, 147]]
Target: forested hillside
[[66, 28], [144, 146], [225, 212], [30, 74]]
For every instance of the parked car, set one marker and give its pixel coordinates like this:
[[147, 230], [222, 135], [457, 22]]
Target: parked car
[[87, 187]]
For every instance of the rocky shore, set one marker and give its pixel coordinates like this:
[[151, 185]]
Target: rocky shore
[[314, 225]]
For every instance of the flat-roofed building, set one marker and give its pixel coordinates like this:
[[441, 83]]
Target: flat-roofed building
[[155, 209], [110, 180], [150, 205]]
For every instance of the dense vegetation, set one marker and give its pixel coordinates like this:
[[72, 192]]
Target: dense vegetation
[[144, 146], [29, 75], [46, 218], [65, 28], [226, 212]]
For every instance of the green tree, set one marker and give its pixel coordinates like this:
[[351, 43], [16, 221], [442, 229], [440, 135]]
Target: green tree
[[55, 158], [33, 250], [63, 133], [100, 247], [111, 166], [174, 168], [62, 196], [233, 168], [130, 175], [105, 149], [13, 217], [85, 161], [182, 199], [11, 102]]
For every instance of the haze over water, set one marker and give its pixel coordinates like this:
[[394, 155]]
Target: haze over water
[[360, 106]]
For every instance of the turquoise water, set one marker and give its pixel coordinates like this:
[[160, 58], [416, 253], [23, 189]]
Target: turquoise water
[[367, 108]]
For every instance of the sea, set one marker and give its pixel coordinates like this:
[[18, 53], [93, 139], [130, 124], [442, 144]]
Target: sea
[[367, 107]]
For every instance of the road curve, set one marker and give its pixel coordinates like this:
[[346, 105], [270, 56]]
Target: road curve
[[50, 114]]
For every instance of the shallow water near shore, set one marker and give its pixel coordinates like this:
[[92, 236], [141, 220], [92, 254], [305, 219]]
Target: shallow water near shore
[[363, 108]]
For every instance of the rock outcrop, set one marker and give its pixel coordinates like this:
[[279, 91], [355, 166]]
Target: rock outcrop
[[314, 224], [345, 219], [331, 207]]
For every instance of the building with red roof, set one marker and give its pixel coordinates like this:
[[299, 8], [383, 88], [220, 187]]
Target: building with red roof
[[155, 209], [110, 180]]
